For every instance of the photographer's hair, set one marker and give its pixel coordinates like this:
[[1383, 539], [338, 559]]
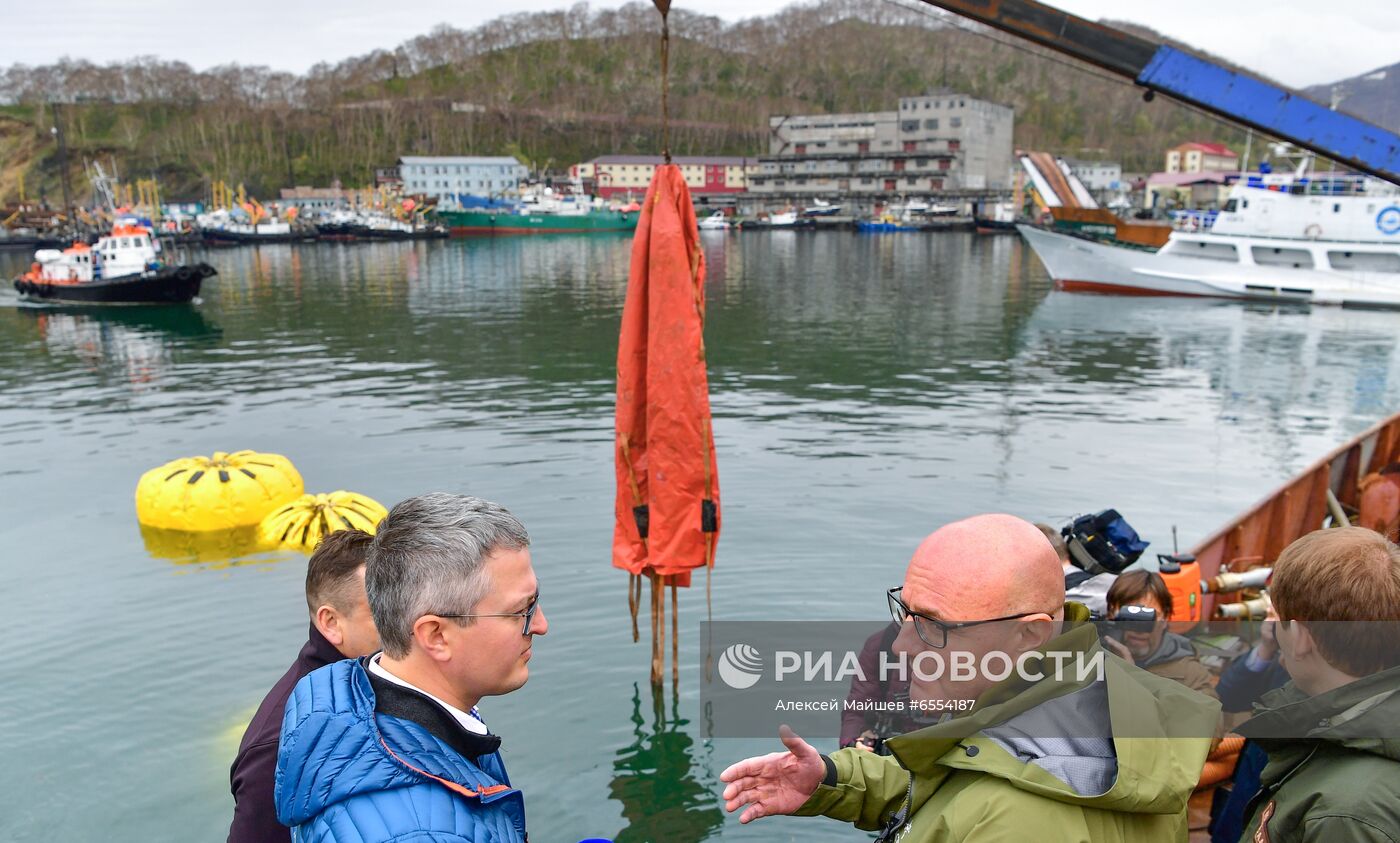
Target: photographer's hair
[[1056, 541], [428, 556], [1132, 585], [331, 572], [1337, 578]]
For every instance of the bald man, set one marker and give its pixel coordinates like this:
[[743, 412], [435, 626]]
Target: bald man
[[1050, 752]]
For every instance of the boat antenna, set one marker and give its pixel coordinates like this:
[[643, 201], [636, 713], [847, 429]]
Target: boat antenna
[[664, 7], [1176, 551]]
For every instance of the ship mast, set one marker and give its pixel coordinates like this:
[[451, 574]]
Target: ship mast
[[63, 167]]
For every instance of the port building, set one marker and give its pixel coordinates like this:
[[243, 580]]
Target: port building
[[609, 176], [942, 142], [450, 177], [1198, 157]]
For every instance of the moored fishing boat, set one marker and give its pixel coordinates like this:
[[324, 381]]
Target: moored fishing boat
[[541, 211], [996, 218], [122, 268], [468, 222]]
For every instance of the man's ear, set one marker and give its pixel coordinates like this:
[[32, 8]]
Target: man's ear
[[429, 633], [327, 621], [1036, 631], [1304, 645]]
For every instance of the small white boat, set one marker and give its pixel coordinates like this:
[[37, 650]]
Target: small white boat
[[821, 208], [787, 218], [1312, 241], [714, 222]]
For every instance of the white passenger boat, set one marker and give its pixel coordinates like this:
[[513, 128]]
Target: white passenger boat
[[1320, 240]]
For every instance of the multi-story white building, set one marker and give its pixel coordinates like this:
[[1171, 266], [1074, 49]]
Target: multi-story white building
[[450, 177], [935, 143]]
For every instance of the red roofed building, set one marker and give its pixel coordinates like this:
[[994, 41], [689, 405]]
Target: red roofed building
[[612, 175], [1196, 157]]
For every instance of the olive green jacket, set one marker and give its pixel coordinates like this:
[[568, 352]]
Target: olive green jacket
[[1088, 761], [1334, 764]]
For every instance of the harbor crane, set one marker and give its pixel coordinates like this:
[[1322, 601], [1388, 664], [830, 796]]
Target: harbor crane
[[1205, 84]]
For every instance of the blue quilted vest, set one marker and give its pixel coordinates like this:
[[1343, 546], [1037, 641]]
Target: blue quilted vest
[[345, 773]]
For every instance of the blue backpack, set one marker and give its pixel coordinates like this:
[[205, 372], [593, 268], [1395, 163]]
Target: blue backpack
[[1103, 543]]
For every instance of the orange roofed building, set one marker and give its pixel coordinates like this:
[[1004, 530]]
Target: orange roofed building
[[1196, 157]]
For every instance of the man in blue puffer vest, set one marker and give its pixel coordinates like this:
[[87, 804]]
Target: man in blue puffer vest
[[391, 746]]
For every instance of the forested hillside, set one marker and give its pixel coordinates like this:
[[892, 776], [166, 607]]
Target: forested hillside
[[557, 88]]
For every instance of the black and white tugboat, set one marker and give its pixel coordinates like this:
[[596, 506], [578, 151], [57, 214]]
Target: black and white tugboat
[[122, 268]]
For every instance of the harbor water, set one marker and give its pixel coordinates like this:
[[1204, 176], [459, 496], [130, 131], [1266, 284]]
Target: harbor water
[[865, 389]]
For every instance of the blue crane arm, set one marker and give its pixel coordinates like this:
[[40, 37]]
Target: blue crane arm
[[1239, 97]]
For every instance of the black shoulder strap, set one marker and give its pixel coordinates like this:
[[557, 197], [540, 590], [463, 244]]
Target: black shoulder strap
[[1074, 579]]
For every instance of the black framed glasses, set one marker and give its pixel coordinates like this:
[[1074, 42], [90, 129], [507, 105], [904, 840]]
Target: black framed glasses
[[528, 615], [933, 631]]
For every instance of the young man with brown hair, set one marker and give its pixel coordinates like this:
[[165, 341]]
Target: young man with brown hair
[[1333, 733], [341, 628]]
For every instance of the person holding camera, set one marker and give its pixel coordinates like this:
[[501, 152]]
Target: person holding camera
[[1152, 646]]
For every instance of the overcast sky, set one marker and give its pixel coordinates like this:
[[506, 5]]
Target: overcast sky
[[1290, 40]]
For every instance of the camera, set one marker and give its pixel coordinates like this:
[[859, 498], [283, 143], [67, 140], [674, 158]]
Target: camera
[[1127, 619]]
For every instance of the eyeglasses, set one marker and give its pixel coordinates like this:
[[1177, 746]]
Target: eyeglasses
[[528, 615], [932, 631]]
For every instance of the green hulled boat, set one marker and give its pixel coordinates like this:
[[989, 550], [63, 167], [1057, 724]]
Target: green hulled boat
[[507, 221]]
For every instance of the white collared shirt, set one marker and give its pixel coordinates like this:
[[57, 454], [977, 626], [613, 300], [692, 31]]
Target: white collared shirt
[[468, 719]]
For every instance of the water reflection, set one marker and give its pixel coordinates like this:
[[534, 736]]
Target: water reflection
[[655, 780], [211, 550]]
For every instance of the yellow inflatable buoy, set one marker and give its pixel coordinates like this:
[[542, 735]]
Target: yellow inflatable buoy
[[301, 523], [216, 493]]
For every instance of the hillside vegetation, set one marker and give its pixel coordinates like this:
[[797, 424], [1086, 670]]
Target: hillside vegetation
[[555, 89]]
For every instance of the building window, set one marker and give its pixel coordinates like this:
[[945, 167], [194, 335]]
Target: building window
[[955, 122], [911, 180], [931, 123], [909, 126]]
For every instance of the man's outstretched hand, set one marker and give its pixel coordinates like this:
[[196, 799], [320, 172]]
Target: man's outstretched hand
[[776, 783]]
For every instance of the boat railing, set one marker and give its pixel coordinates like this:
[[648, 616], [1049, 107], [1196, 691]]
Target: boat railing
[[1193, 220]]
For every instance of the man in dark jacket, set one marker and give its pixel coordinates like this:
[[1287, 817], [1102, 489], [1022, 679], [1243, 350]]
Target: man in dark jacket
[[867, 729], [1333, 733], [341, 628]]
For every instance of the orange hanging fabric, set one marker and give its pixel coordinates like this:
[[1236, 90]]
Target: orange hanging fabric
[[667, 505]]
